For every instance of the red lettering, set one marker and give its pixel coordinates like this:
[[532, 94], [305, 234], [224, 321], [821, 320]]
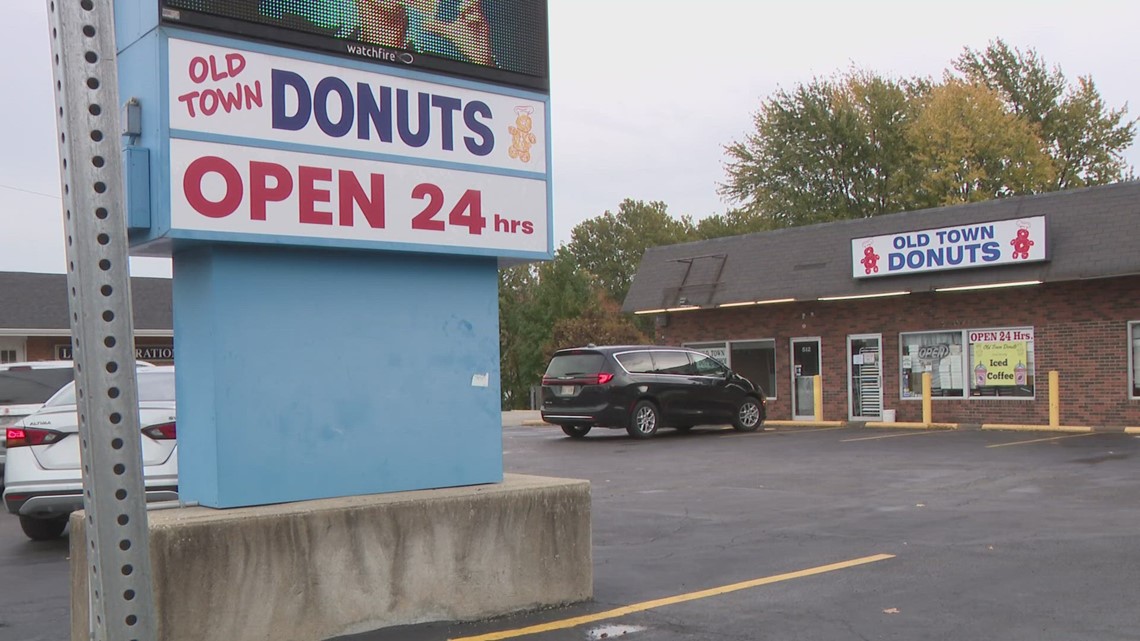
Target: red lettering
[[188, 99], [527, 227], [310, 195], [235, 62], [253, 95], [215, 74], [261, 193], [352, 194], [198, 69], [192, 187], [209, 102], [231, 100]]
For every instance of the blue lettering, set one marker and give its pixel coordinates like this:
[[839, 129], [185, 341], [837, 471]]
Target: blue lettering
[[326, 87], [973, 249], [954, 236], [934, 257], [423, 118], [914, 259], [991, 251], [970, 234], [447, 108], [987, 233], [895, 261], [280, 80], [954, 255], [899, 242], [486, 142], [368, 111]]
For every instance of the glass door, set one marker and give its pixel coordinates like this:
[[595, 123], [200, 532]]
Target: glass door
[[865, 379], [805, 366]]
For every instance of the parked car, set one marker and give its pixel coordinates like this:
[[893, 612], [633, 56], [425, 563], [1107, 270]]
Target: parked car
[[23, 389], [44, 480], [642, 388]]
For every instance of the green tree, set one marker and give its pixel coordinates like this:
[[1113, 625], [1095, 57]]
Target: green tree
[[1085, 138], [601, 323], [827, 150], [532, 298], [609, 247], [969, 148]]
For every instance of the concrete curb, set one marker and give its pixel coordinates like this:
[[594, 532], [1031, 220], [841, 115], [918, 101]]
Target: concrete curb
[[913, 426], [537, 423], [783, 423]]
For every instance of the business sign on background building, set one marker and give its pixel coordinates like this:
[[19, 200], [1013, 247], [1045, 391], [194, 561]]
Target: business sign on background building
[[273, 146], [500, 41], [1001, 242]]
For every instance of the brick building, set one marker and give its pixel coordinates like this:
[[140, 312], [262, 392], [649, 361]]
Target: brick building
[[987, 298], [34, 322]]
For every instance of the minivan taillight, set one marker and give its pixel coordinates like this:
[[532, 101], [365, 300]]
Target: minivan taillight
[[601, 378], [27, 436], [163, 432]]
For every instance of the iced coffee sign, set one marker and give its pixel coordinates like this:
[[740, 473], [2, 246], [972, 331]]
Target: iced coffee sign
[[1000, 357], [1001, 242], [268, 147]]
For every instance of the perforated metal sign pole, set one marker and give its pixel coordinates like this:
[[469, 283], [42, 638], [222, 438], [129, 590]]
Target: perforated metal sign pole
[[98, 280]]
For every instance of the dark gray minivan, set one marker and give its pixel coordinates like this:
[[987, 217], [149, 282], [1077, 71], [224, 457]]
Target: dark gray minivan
[[644, 387]]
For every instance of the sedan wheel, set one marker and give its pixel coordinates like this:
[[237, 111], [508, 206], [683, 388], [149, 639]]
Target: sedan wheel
[[644, 421], [747, 417]]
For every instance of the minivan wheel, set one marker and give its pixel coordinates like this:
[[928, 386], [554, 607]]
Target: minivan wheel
[[747, 417], [576, 431], [645, 419], [42, 529]]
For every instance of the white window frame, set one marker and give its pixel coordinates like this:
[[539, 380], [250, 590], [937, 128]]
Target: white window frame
[[964, 357], [1133, 338], [970, 368]]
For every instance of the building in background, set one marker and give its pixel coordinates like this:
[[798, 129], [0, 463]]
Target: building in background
[[34, 323], [987, 298]]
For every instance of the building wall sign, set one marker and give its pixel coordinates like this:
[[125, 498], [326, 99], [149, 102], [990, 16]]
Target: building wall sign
[[142, 352], [1001, 242]]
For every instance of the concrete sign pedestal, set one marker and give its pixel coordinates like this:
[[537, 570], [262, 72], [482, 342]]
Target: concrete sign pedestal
[[320, 569]]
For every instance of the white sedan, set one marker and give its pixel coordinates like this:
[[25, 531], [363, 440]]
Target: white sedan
[[43, 477]]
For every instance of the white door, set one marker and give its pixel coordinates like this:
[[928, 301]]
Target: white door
[[865, 377], [805, 366]]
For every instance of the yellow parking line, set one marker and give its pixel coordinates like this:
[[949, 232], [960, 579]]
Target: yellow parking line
[[872, 438], [680, 598], [1039, 440]]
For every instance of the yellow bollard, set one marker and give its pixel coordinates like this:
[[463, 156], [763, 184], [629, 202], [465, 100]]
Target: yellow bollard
[[817, 396], [1054, 399], [927, 405]]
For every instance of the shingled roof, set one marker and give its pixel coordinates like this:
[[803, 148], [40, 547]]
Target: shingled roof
[[1092, 233], [38, 302]]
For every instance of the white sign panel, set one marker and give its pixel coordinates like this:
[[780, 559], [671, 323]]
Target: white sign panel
[[1002, 242], [233, 92], [249, 190]]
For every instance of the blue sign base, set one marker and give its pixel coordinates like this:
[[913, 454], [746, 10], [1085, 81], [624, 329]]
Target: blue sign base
[[306, 374]]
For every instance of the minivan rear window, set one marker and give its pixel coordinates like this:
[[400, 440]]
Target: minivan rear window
[[575, 364], [19, 386]]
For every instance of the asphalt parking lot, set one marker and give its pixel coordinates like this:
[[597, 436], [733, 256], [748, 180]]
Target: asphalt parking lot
[[796, 533], [930, 535]]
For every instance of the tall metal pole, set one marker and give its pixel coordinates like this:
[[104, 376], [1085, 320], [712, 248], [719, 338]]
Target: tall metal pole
[[98, 280]]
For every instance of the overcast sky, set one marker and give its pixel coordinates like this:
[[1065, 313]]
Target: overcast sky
[[645, 93]]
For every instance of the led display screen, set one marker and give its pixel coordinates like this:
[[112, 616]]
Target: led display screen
[[502, 41]]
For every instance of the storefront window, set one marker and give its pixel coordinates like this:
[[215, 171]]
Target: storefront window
[[1134, 358], [939, 353], [1002, 362], [754, 360]]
